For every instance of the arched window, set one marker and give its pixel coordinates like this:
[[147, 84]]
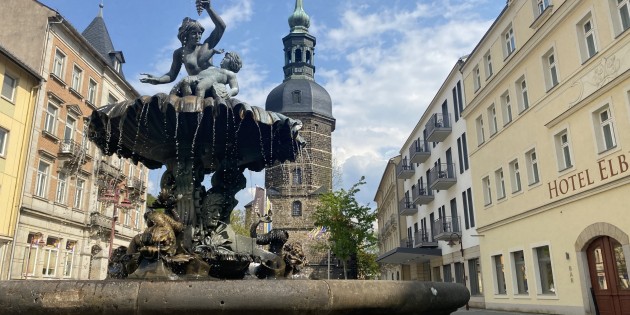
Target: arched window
[[298, 55], [296, 211], [288, 57], [297, 176], [308, 57]]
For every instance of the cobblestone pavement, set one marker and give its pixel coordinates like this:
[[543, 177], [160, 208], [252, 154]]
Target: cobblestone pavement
[[475, 311]]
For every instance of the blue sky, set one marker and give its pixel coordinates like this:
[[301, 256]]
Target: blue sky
[[382, 61]]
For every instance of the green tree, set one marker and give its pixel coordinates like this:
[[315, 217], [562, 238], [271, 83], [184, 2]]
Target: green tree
[[237, 221], [150, 200], [350, 224], [368, 268]]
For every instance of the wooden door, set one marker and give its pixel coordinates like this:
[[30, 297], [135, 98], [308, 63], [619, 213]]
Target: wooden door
[[609, 276]]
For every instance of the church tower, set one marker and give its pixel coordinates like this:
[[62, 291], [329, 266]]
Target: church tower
[[294, 188]]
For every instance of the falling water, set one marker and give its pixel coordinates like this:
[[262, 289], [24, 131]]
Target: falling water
[[108, 136], [192, 149], [138, 123], [262, 145], [120, 136], [177, 171]]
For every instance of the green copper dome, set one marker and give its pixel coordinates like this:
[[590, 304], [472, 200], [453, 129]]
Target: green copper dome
[[299, 21]]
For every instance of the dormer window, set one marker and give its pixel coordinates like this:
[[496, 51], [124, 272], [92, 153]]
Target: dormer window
[[117, 65], [297, 96]]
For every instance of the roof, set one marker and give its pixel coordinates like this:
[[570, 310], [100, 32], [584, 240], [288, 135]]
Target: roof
[[313, 98], [20, 63], [97, 35]]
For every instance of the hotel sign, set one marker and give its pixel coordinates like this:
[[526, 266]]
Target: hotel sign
[[605, 169]]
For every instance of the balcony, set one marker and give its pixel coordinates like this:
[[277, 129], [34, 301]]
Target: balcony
[[419, 151], [438, 127], [442, 176], [406, 207], [421, 239], [406, 243], [106, 169], [98, 220], [69, 148], [421, 195], [404, 169], [445, 227], [135, 184]]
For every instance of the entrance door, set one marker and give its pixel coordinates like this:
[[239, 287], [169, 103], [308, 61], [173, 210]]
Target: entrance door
[[609, 276]]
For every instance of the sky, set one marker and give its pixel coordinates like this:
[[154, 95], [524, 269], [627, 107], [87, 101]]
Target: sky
[[382, 61]]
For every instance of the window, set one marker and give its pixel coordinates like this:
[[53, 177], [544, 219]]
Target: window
[[448, 277], [586, 33], [297, 176], [492, 117], [31, 254], [604, 129], [68, 259], [58, 64], [77, 77], [532, 167], [481, 136], [127, 219], [542, 5], [436, 274], [476, 284], [4, 135], [92, 88], [78, 194], [8, 87], [62, 185], [563, 150], [297, 97], [477, 78], [136, 219], [500, 180], [499, 274], [50, 123], [471, 212], [551, 69], [510, 42], [515, 176], [544, 271], [51, 255], [623, 8], [487, 191], [296, 210], [488, 64], [518, 260], [459, 273], [455, 105], [465, 147], [506, 104], [523, 97], [111, 99], [41, 183], [68, 132]]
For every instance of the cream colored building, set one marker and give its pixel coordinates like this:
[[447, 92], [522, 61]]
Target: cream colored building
[[71, 193], [548, 113]]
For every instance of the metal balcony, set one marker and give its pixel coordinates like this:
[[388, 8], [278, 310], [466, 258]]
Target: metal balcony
[[69, 148], [99, 220], [407, 207], [444, 228], [106, 169], [406, 243], [438, 127], [421, 195], [421, 239], [419, 151], [135, 184], [404, 169], [442, 176]]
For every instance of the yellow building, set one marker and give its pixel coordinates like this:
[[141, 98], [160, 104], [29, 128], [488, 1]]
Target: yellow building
[[20, 86], [548, 113]]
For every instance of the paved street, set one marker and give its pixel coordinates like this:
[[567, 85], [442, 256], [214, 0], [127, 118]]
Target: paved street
[[474, 311]]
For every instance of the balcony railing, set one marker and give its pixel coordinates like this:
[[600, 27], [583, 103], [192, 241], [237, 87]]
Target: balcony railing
[[445, 227], [69, 147], [438, 127], [407, 207], [442, 176], [404, 169], [407, 243], [99, 220], [422, 195], [135, 184], [419, 151], [421, 239], [105, 168]]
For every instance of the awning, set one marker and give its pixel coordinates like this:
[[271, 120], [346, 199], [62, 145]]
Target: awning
[[406, 255]]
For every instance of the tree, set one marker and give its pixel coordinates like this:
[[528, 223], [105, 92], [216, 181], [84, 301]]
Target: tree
[[350, 225], [368, 268], [150, 200], [237, 221]]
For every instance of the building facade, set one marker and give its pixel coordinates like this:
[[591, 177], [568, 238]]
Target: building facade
[[548, 112], [73, 197]]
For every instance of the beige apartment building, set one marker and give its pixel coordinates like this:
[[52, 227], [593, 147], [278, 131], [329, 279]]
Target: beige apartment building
[[73, 196], [548, 114]]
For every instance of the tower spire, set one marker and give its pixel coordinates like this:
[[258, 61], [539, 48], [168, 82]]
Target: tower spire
[[100, 9], [299, 21]]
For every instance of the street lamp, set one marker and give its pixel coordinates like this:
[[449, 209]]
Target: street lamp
[[461, 249]]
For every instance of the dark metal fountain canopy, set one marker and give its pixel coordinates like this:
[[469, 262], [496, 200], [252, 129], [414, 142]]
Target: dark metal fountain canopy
[[160, 129]]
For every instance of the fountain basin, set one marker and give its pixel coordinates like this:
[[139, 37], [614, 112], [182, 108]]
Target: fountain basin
[[231, 297]]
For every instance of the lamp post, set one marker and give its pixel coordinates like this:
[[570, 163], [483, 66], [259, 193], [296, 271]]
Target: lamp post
[[461, 249]]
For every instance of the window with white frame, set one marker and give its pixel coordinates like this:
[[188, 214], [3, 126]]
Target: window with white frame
[[520, 273], [487, 191], [59, 63], [622, 22], [488, 64], [506, 104], [509, 42], [41, 182], [68, 132], [587, 42], [522, 96], [111, 99], [32, 252], [563, 150], [136, 220], [77, 78], [68, 258], [542, 5], [492, 117], [9, 85], [50, 122], [551, 69], [62, 188], [604, 129], [4, 137], [499, 274], [481, 136], [476, 78], [515, 176], [78, 194], [499, 178], [92, 88], [544, 270], [51, 257], [532, 167], [127, 219]]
